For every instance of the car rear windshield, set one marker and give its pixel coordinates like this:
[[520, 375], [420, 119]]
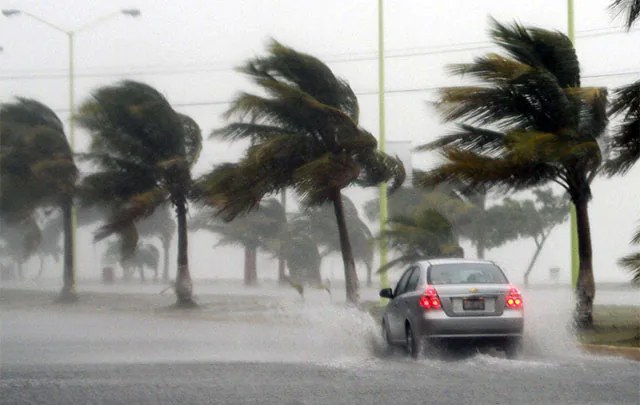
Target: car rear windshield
[[466, 273]]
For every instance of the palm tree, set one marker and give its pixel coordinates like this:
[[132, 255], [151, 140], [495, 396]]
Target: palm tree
[[37, 170], [419, 236], [145, 255], [265, 228], [51, 229], [536, 219], [251, 231], [529, 123], [144, 151], [317, 224], [305, 135], [163, 226], [19, 243], [632, 261]]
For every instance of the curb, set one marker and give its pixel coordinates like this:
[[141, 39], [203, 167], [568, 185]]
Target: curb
[[632, 353]]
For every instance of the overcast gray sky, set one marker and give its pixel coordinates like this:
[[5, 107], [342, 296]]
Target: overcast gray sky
[[187, 49]]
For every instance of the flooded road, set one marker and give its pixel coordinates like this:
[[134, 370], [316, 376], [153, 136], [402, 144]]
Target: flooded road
[[300, 353]]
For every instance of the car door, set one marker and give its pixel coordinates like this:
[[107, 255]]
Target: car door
[[395, 318], [405, 301]]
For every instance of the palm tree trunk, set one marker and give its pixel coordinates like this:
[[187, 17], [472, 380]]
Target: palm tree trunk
[[585, 288], [166, 245], [282, 268], [350, 275], [480, 247], [184, 285], [68, 293], [369, 275], [282, 263], [534, 259], [20, 270], [250, 273], [41, 269]]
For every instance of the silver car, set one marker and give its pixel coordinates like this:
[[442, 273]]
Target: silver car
[[455, 303]]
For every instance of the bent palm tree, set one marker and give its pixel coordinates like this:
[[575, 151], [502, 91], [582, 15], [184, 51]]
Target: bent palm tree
[[37, 170], [420, 236], [304, 134], [163, 226], [145, 255], [317, 224], [530, 123], [144, 152]]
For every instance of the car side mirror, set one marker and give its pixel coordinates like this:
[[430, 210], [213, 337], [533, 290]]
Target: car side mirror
[[386, 293]]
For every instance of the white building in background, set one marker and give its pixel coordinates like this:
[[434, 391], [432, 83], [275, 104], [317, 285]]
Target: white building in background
[[403, 150]]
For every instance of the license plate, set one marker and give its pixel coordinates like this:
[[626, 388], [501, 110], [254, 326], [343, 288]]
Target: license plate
[[475, 304]]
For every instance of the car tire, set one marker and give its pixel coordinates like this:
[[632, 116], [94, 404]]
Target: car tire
[[414, 346], [513, 348]]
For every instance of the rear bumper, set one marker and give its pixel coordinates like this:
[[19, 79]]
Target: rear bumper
[[437, 324]]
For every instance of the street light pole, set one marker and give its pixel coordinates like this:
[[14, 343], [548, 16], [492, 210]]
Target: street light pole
[[72, 139], [575, 258], [384, 280]]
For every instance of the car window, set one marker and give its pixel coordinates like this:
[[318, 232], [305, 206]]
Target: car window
[[466, 273], [402, 283], [413, 280]]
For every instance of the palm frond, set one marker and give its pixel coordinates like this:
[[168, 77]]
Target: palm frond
[[549, 50], [468, 138], [378, 167], [315, 180], [632, 264], [630, 9], [480, 172], [139, 206], [625, 142], [305, 73]]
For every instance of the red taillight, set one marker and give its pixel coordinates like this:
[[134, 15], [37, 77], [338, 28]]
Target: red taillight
[[513, 299], [430, 299]]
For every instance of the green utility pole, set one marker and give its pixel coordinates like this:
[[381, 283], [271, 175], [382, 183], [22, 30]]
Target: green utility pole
[[384, 280], [575, 257], [72, 144]]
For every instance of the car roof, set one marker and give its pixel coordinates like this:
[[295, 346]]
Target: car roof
[[453, 260]]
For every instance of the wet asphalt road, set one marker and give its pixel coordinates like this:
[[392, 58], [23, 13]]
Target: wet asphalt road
[[328, 356]]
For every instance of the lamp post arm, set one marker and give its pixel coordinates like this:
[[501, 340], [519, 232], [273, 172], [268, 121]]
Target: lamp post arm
[[43, 21]]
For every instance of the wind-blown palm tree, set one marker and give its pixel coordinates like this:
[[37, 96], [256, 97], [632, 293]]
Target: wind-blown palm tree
[[51, 228], [19, 242], [258, 229], [529, 123], [162, 225], [305, 135], [144, 151], [317, 223], [419, 236], [37, 169], [144, 256], [265, 228]]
